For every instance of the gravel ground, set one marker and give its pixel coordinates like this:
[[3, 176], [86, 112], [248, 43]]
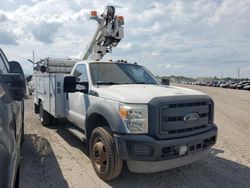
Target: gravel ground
[[52, 157]]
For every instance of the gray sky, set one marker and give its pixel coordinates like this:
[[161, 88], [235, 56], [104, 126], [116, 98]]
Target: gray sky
[[191, 38]]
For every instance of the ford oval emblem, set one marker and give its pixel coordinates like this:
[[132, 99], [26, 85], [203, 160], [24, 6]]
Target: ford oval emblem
[[191, 117]]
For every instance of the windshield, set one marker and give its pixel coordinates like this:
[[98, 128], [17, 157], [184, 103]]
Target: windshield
[[120, 73]]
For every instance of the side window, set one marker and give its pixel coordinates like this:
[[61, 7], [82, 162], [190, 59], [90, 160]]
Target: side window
[[81, 73], [3, 68]]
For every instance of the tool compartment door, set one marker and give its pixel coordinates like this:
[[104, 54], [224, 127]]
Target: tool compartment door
[[52, 93]]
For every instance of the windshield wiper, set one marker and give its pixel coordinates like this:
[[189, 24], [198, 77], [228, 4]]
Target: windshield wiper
[[107, 83], [143, 83]]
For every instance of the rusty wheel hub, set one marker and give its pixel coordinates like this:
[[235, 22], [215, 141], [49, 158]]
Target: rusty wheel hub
[[100, 155]]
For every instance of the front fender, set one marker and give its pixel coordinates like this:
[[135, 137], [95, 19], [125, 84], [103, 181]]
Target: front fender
[[110, 113]]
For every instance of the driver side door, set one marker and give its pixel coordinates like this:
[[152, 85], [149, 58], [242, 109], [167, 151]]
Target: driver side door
[[79, 101]]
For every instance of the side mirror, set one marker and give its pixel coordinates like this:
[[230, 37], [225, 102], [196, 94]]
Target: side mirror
[[15, 67], [164, 81], [71, 85], [15, 82]]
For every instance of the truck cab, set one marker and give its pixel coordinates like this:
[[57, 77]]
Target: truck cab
[[127, 114]]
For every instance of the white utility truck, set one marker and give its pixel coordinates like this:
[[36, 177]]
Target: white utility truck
[[123, 113]]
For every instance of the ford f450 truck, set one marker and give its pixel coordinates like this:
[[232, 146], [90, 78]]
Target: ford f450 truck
[[124, 113]]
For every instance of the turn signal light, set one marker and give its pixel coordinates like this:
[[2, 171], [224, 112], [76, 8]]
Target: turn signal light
[[123, 112], [120, 20], [93, 13]]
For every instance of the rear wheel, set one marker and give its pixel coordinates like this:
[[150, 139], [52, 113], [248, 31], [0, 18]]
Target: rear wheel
[[103, 154], [44, 116]]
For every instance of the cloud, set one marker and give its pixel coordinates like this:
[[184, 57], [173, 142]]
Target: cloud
[[7, 38], [170, 66], [182, 37], [45, 32], [3, 17]]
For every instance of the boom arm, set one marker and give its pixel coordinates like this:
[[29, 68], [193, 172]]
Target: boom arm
[[109, 33]]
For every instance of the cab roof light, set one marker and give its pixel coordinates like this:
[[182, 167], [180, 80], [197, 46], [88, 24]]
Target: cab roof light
[[120, 20], [93, 14]]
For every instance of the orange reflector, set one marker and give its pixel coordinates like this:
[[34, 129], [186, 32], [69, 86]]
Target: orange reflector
[[123, 112], [120, 18], [93, 13]]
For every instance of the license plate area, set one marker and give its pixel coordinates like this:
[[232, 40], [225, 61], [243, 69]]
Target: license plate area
[[194, 147]]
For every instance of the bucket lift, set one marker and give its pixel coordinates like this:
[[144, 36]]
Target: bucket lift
[[109, 33]]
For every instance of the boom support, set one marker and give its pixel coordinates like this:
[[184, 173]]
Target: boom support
[[109, 33]]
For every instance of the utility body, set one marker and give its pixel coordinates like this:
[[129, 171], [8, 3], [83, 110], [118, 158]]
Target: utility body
[[124, 113]]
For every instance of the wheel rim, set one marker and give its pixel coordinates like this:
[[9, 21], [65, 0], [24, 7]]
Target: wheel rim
[[99, 154]]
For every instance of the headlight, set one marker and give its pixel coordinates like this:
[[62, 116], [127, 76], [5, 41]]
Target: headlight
[[135, 117]]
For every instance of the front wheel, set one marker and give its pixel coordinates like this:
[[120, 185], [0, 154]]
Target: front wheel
[[44, 116], [103, 154]]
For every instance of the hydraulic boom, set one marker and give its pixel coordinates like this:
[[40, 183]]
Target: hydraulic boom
[[109, 33]]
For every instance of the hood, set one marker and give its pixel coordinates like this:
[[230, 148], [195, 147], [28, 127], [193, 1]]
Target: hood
[[140, 93]]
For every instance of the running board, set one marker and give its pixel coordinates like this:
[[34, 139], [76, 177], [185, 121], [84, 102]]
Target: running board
[[76, 132]]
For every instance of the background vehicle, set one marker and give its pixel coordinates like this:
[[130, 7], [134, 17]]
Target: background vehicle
[[28, 78], [122, 111], [247, 87], [12, 88], [31, 87]]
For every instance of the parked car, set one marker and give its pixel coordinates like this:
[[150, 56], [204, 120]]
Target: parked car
[[247, 87], [31, 87], [241, 85], [11, 120], [233, 85], [224, 85]]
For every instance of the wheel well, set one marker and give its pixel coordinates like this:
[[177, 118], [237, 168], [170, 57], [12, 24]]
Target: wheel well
[[93, 121]]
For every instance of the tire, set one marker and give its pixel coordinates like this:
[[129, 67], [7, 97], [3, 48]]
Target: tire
[[17, 178], [43, 116], [103, 155], [22, 133]]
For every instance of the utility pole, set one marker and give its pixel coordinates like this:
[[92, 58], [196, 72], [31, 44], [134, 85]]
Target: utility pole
[[33, 59], [238, 73]]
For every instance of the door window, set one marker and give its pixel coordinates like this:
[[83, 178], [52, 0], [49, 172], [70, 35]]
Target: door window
[[81, 73], [3, 68]]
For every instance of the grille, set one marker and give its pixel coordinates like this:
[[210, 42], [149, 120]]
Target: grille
[[172, 118]]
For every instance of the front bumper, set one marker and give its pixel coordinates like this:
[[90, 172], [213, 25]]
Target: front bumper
[[143, 148]]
